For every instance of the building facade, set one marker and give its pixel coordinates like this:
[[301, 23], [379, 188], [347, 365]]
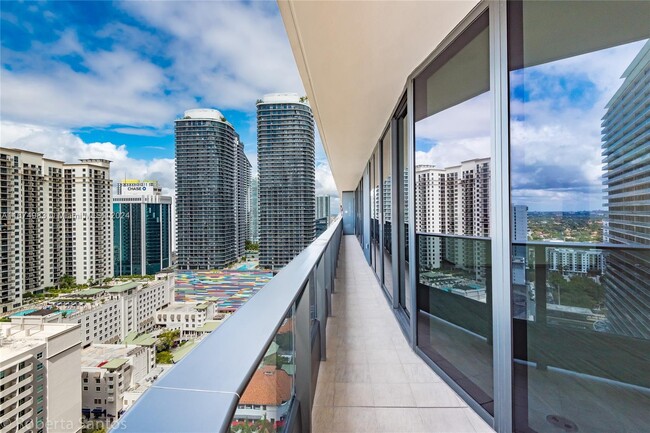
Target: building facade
[[39, 377], [627, 182], [254, 200], [286, 164], [187, 317], [142, 228], [322, 206], [55, 222], [107, 315], [107, 372], [208, 182]]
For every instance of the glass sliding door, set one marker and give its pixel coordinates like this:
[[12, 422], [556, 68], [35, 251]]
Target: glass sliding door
[[580, 223], [452, 101], [387, 209]]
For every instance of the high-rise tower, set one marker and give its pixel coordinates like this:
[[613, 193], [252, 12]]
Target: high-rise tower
[[285, 152], [141, 228], [627, 179], [208, 183]]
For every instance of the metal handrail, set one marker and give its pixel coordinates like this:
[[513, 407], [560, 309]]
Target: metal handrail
[[201, 392], [550, 244]]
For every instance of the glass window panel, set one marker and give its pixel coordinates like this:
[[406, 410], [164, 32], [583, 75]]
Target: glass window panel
[[452, 181], [387, 195], [580, 220]]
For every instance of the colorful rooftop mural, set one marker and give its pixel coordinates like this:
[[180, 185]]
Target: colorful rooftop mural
[[229, 289]]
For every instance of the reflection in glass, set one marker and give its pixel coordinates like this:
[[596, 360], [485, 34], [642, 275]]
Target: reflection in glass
[[580, 130], [266, 402], [452, 190], [405, 290], [386, 184], [374, 212]]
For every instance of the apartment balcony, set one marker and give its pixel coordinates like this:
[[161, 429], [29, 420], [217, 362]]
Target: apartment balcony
[[332, 329]]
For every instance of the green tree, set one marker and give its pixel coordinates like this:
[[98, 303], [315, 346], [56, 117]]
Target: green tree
[[67, 282], [166, 339], [164, 357]]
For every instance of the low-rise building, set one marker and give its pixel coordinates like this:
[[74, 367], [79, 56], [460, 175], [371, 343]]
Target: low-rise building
[[107, 372], [187, 317], [108, 314], [39, 376], [267, 397]]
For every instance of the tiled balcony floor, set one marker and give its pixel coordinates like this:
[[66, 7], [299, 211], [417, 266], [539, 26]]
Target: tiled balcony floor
[[372, 381]]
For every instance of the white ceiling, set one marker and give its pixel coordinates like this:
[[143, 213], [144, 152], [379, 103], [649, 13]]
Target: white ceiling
[[354, 58]]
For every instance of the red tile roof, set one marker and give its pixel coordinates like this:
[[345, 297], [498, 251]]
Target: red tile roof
[[269, 386]]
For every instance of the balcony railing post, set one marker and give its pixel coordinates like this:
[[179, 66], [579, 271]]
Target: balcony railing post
[[302, 341]]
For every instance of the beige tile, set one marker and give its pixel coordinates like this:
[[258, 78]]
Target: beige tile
[[354, 419], [446, 420], [383, 356], [321, 419], [352, 373], [353, 394], [435, 395], [324, 395], [420, 373], [392, 395], [352, 357], [387, 373], [399, 419]]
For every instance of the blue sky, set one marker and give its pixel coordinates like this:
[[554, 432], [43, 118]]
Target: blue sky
[[107, 79], [555, 137]]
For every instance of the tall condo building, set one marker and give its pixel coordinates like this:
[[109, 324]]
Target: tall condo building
[[627, 180], [141, 228], [285, 153], [322, 206], [243, 205], [55, 220], [453, 200], [254, 200], [209, 185]]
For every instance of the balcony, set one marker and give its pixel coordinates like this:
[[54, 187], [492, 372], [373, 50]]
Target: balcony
[[348, 365]]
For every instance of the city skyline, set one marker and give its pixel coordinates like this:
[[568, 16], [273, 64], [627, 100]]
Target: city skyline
[[111, 85]]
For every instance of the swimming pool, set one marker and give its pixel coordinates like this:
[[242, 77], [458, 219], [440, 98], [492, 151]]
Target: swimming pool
[[23, 313]]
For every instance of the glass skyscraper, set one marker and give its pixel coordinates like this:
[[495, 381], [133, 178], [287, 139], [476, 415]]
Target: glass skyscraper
[[141, 228], [287, 200]]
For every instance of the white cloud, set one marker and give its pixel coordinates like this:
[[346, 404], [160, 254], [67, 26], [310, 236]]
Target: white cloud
[[62, 145]]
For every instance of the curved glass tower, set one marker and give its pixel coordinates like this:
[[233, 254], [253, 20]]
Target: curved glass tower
[[207, 152], [287, 198]]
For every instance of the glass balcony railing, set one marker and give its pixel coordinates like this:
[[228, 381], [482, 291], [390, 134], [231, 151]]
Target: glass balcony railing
[[258, 371]]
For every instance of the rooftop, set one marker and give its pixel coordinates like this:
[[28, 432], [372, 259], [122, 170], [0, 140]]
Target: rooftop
[[124, 287], [101, 355], [16, 338], [287, 98]]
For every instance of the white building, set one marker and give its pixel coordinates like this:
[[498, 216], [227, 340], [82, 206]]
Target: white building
[[107, 315], [187, 317], [107, 372], [323, 207], [39, 377], [574, 261], [55, 221], [453, 200], [519, 233]]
